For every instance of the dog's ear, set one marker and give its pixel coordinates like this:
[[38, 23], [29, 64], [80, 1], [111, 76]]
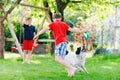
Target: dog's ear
[[78, 50], [67, 52]]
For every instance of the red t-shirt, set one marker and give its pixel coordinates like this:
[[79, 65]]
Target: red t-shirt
[[59, 31]]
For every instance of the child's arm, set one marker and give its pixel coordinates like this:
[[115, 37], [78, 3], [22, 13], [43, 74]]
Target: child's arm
[[41, 32], [77, 30], [21, 19]]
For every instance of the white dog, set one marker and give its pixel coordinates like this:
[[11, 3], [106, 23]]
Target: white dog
[[77, 58]]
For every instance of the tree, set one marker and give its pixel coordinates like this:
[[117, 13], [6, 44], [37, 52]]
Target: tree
[[1, 39], [3, 16], [61, 5], [1, 33]]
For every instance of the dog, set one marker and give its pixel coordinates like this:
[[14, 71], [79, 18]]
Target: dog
[[77, 58]]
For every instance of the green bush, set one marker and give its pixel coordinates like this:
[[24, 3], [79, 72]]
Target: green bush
[[18, 31], [44, 36], [7, 35]]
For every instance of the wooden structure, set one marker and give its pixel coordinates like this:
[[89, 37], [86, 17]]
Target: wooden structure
[[46, 40], [40, 27]]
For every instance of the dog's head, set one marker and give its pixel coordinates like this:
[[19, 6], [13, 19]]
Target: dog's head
[[80, 49]]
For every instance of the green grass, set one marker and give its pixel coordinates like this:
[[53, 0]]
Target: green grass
[[43, 67]]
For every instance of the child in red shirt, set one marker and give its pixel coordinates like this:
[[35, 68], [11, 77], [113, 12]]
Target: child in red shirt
[[59, 29]]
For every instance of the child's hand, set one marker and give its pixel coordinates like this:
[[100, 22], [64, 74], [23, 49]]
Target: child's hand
[[35, 37], [23, 14]]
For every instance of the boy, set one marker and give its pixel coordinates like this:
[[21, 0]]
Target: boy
[[29, 32], [59, 31]]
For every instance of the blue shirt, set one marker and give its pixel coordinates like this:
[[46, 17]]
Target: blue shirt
[[86, 35], [28, 32]]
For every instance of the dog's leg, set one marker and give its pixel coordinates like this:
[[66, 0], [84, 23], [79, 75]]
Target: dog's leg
[[77, 67], [80, 69], [84, 69]]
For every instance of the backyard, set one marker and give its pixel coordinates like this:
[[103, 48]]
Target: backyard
[[43, 67], [25, 28]]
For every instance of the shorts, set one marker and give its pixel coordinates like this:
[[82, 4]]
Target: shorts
[[60, 49], [28, 44]]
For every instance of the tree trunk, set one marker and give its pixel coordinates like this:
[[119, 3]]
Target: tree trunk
[[61, 6], [2, 18], [1, 39], [52, 46]]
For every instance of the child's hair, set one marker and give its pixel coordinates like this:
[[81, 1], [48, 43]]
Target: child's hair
[[57, 16], [28, 18], [79, 23]]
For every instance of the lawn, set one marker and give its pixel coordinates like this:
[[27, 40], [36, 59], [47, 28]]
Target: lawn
[[43, 67]]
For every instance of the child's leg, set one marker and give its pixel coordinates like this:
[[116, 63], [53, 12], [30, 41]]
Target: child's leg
[[25, 43], [91, 46], [30, 47], [24, 55], [29, 56], [67, 66], [86, 44], [60, 52]]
